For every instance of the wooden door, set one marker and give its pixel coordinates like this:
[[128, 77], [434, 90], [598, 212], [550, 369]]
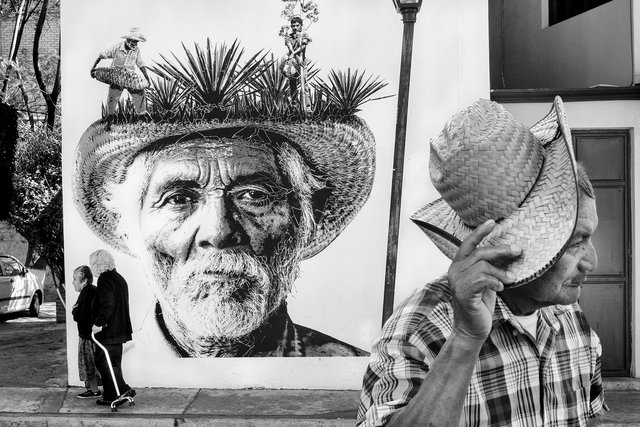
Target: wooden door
[[606, 294]]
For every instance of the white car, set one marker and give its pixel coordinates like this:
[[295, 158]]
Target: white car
[[19, 288]]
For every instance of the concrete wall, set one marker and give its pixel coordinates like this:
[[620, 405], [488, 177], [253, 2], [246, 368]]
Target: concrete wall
[[592, 48], [598, 115]]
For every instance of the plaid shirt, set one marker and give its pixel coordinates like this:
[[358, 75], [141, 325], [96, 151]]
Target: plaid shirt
[[552, 379]]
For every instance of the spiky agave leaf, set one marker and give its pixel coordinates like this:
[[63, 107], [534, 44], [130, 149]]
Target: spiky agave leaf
[[346, 92], [213, 73], [167, 95]]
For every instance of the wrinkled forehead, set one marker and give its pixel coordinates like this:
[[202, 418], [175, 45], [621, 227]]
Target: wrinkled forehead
[[216, 147]]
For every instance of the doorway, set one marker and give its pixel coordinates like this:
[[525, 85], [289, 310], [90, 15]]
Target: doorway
[[606, 294]]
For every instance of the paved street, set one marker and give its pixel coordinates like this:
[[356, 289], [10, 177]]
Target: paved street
[[33, 351]]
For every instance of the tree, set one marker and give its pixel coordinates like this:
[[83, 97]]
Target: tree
[[37, 180]]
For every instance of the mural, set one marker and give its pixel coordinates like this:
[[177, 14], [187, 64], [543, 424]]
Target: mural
[[223, 173]]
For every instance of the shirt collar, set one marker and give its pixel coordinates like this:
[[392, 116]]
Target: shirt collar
[[549, 315]]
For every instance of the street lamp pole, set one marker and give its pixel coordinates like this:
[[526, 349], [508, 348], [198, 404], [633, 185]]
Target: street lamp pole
[[409, 10]]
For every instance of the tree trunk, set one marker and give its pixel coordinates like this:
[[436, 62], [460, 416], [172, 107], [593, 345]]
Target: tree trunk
[[15, 42], [8, 141], [51, 99]]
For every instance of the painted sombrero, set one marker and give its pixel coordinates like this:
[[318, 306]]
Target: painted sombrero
[[487, 165], [341, 153]]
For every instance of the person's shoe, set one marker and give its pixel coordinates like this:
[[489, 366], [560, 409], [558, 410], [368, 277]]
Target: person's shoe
[[89, 394], [129, 393], [103, 402]]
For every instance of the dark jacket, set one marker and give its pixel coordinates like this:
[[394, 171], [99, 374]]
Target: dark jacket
[[111, 309], [82, 311]]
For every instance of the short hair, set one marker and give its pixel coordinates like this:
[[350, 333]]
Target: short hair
[[85, 273], [584, 183], [102, 261], [296, 19]]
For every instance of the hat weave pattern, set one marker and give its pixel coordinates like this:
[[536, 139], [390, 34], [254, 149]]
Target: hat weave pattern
[[542, 222], [484, 163], [340, 153]]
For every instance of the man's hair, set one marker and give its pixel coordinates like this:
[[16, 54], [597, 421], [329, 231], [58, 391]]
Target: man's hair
[[296, 19], [126, 198], [102, 261], [85, 273], [584, 183]]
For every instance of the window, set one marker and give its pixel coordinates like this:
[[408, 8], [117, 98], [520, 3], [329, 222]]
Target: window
[[559, 10], [10, 267]]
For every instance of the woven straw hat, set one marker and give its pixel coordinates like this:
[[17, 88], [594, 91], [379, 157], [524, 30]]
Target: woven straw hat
[[342, 154], [135, 34], [487, 165]]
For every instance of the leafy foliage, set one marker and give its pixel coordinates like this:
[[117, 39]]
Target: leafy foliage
[[167, 96], [213, 84], [37, 178], [213, 75], [346, 92]]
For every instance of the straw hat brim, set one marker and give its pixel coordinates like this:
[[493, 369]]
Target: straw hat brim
[[542, 226], [138, 37], [341, 154]]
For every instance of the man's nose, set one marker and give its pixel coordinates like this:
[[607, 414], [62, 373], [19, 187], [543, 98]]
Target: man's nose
[[589, 261], [217, 227]]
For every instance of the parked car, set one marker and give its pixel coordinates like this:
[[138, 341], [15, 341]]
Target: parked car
[[19, 288]]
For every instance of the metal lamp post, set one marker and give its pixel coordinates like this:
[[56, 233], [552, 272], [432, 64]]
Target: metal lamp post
[[409, 10]]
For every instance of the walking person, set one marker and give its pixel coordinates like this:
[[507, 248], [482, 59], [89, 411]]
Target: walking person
[[111, 324], [83, 283]]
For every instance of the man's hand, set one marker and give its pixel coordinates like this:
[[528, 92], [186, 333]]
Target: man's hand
[[93, 73], [95, 329], [474, 282]]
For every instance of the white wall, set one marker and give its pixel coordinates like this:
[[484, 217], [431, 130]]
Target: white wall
[[340, 291], [597, 115]]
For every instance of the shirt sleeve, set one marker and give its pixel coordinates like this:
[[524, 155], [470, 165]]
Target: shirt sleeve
[[110, 52], [399, 363], [598, 405]]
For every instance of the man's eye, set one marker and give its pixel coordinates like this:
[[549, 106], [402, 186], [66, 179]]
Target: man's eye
[[178, 200], [252, 195]]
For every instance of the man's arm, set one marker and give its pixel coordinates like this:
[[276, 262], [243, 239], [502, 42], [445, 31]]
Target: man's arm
[[104, 303], [474, 282]]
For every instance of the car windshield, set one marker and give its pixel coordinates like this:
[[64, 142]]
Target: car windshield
[[9, 266]]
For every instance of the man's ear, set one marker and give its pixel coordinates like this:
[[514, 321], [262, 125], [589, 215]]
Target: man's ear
[[319, 203]]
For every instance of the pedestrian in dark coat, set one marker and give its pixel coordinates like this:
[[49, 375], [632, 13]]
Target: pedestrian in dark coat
[[83, 283], [111, 324]]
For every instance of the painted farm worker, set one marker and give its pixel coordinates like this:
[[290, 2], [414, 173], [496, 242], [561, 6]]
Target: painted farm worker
[[499, 340], [294, 67], [111, 324], [126, 54], [220, 215], [81, 311]]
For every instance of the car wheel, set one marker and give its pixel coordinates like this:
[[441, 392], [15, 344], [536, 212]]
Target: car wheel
[[34, 308]]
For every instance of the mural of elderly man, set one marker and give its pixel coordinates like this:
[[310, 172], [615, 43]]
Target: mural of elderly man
[[220, 214]]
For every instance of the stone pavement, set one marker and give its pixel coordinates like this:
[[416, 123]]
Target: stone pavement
[[24, 406]]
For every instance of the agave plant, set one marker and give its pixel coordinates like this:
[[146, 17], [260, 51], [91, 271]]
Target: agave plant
[[346, 92], [167, 96], [213, 74], [272, 85]]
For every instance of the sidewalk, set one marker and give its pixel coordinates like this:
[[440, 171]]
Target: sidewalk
[[198, 407]]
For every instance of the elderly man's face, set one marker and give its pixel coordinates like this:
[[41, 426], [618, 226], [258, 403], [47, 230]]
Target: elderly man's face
[[217, 226], [561, 283]]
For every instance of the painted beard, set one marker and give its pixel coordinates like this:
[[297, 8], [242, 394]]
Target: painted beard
[[222, 296]]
